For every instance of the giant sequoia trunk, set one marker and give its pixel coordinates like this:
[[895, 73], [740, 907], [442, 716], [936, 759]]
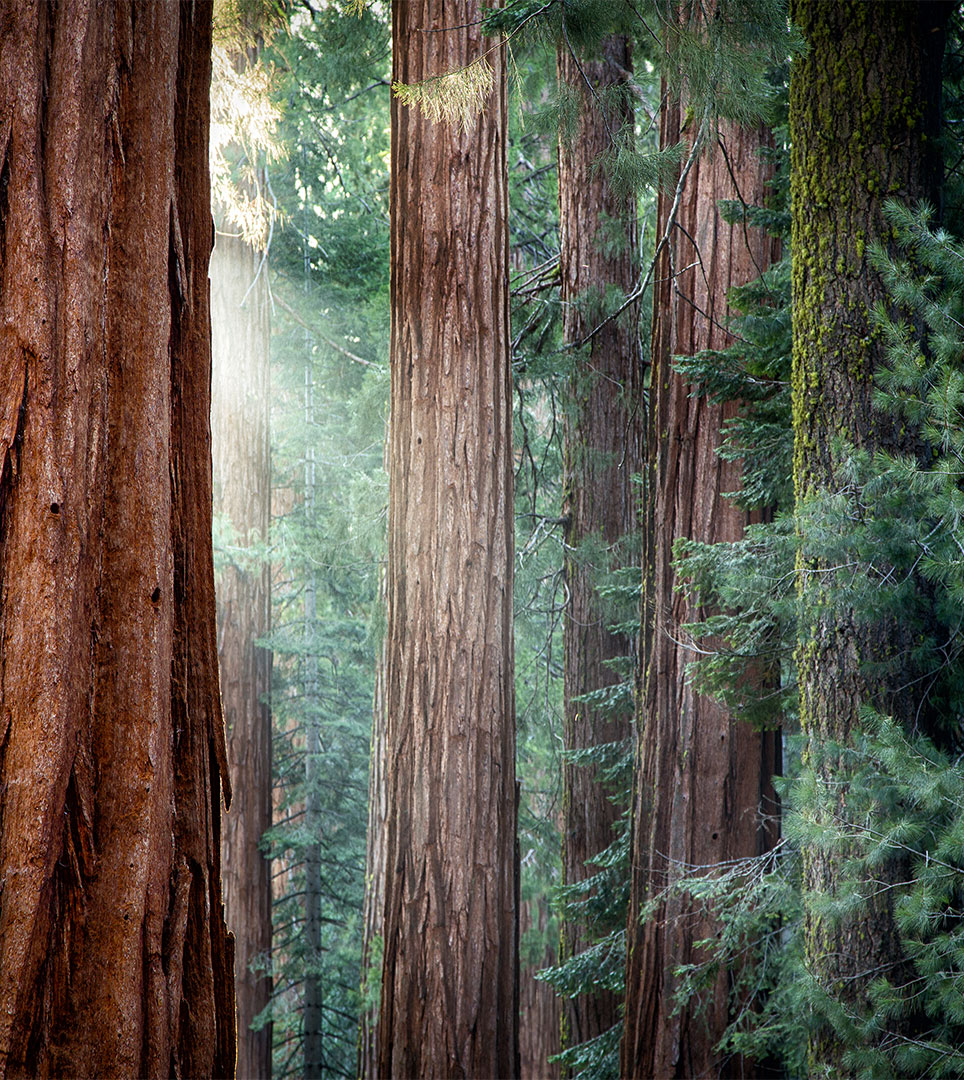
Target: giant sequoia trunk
[[242, 492], [114, 958], [603, 453], [449, 990], [864, 121], [703, 777]]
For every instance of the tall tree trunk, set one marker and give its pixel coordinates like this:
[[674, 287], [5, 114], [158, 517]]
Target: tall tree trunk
[[313, 1019], [242, 493], [603, 453], [864, 116], [703, 778], [374, 909], [539, 1004], [449, 1003], [114, 957]]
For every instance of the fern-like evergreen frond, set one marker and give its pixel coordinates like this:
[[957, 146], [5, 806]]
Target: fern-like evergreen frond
[[456, 97]]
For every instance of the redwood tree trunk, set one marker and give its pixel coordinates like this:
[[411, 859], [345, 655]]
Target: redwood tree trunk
[[242, 491], [603, 453], [449, 1002], [114, 958], [864, 115], [703, 777]]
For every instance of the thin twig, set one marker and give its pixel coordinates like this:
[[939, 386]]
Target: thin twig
[[327, 340]]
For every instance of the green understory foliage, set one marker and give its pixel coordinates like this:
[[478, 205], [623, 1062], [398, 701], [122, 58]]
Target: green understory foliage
[[750, 583], [600, 901], [892, 536]]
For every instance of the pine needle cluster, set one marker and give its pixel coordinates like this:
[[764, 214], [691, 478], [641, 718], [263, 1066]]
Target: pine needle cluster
[[724, 63], [244, 125], [456, 97]]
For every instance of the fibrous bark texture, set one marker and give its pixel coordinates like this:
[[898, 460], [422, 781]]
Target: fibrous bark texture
[[114, 958], [603, 455], [242, 491], [864, 120], [703, 780], [449, 1004]]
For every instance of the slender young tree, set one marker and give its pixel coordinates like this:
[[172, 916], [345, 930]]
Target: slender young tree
[[864, 113], [539, 1004], [242, 494], [703, 777], [374, 910], [314, 991], [114, 957], [449, 1003], [603, 455]]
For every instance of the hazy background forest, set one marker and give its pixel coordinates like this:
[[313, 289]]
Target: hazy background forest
[[649, 155]]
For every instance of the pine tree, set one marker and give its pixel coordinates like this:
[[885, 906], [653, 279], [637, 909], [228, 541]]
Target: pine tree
[[242, 494], [329, 291], [703, 791], [704, 776], [240, 359]]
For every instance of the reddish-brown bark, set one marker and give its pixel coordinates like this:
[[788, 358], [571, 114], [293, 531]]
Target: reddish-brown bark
[[114, 958], [703, 777], [539, 1004], [449, 1004], [603, 452], [242, 492]]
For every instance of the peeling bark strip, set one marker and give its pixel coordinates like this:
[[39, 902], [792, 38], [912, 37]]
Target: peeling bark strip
[[449, 1002], [702, 776], [114, 959]]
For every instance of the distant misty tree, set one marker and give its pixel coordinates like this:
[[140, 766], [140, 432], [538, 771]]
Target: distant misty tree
[[603, 454]]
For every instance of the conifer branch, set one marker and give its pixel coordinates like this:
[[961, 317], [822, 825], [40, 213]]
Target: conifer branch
[[645, 281], [456, 97]]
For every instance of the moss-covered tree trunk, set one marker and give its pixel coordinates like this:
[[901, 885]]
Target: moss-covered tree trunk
[[863, 112], [242, 495], [449, 1004], [703, 781], [114, 957], [603, 455]]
